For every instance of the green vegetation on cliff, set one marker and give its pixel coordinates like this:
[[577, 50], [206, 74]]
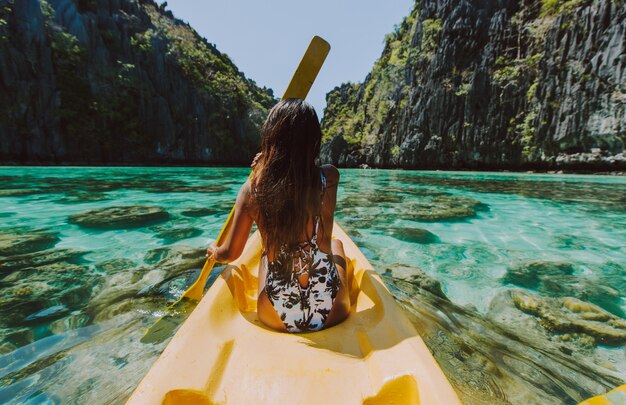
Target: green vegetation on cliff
[[357, 112], [482, 85], [119, 82]]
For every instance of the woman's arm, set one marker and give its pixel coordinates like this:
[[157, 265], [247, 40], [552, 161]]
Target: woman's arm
[[239, 231], [332, 181]]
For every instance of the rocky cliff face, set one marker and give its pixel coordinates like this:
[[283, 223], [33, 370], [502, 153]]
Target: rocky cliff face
[[490, 84], [119, 81]]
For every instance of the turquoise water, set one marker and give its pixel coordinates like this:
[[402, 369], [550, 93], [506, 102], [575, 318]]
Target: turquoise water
[[78, 291]]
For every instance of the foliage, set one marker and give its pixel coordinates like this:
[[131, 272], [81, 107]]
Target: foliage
[[508, 71], [359, 112], [105, 89], [209, 70], [526, 132], [395, 152], [74, 92], [554, 7], [6, 9], [65, 47], [507, 74], [430, 34], [3, 30], [212, 73], [463, 89], [143, 40], [339, 116], [46, 9], [532, 61], [530, 94], [89, 120]]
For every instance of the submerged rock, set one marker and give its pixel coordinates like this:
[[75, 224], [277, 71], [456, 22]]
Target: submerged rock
[[426, 192], [592, 290], [443, 208], [43, 285], [439, 213], [557, 279], [175, 234], [33, 260], [119, 289], [116, 265], [505, 357], [176, 261], [124, 289], [15, 337], [154, 256], [612, 273], [417, 278], [530, 274], [571, 315], [18, 192], [200, 212], [70, 322], [460, 202], [133, 216], [18, 241], [223, 207], [371, 198], [211, 189], [414, 235], [30, 290]]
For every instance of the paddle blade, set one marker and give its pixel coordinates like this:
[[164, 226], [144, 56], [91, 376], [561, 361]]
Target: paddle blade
[[166, 325], [176, 313], [195, 291], [308, 69]]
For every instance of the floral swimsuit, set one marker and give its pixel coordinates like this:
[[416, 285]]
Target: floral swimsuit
[[302, 308]]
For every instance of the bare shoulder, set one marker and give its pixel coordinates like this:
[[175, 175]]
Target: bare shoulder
[[245, 194], [332, 175], [246, 188]]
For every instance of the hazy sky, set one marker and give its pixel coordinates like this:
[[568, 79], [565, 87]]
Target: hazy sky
[[266, 38]]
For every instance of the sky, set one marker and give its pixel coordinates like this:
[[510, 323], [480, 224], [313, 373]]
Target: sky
[[267, 38]]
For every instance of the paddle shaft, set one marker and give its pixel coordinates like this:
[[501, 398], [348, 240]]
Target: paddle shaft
[[298, 87]]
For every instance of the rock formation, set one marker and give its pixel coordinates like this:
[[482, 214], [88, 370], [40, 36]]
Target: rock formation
[[117, 82], [532, 84]]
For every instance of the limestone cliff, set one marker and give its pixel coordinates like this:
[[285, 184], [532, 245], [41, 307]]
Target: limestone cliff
[[116, 82], [501, 84]]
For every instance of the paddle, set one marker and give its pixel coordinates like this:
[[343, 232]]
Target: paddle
[[298, 87]]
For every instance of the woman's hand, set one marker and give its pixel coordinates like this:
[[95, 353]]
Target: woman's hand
[[255, 160], [211, 252]]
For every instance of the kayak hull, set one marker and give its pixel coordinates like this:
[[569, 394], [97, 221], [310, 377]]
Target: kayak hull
[[224, 354]]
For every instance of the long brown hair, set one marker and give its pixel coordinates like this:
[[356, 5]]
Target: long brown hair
[[286, 178]]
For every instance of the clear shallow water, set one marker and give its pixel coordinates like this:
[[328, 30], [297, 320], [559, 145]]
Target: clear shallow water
[[80, 297]]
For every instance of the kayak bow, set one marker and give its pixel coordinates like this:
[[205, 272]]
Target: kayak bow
[[224, 354]]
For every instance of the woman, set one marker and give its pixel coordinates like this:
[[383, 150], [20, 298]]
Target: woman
[[302, 276]]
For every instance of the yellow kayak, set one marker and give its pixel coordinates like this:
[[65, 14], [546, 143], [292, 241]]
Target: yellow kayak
[[223, 354], [614, 397]]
